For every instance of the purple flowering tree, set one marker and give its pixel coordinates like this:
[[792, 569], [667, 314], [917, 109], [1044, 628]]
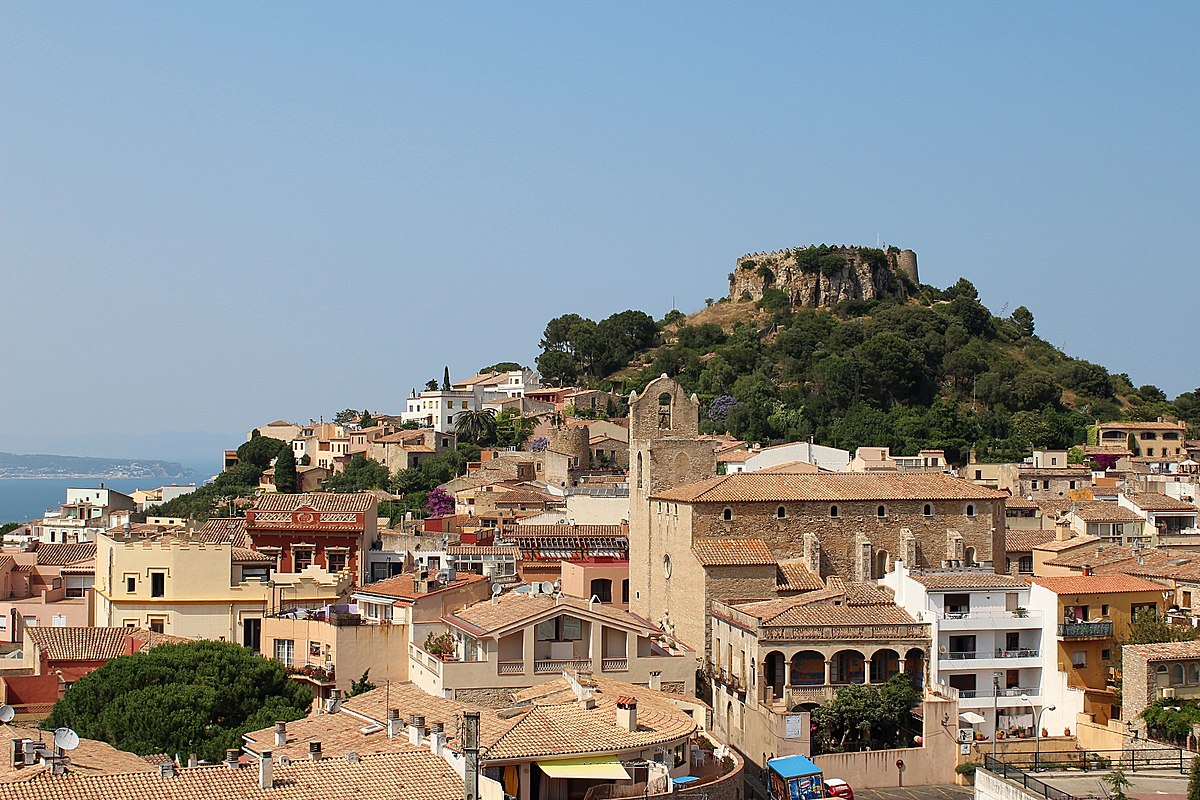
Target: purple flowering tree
[[439, 503], [720, 407]]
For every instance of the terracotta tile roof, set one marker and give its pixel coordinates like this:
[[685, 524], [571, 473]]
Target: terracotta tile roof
[[144, 639], [794, 576], [519, 496], [317, 501], [79, 644], [958, 581], [1078, 540], [338, 733], [1025, 541], [1106, 450], [1142, 426], [559, 725], [409, 699], [828, 487], [1156, 501], [790, 468], [57, 555], [92, 757], [1099, 511], [7, 562], [220, 530], [517, 608], [1101, 554], [732, 552], [1166, 651], [1097, 584], [244, 555], [735, 456], [1022, 503], [415, 774], [403, 587], [849, 604]]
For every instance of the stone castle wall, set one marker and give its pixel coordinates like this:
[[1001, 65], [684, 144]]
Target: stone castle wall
[[861, 277]]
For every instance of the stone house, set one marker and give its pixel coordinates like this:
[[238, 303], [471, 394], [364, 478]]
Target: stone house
[[1149, 672], [1159, 439]]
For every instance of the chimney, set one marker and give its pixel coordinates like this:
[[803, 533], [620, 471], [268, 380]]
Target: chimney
[[470, 748], [266, 770], [1086, 571], [437, 738], [314, 751], [166, 769], [17, 754], [1062, 529], [656, 680], [231, 758], [394, 724], [627, 713], [416, 729], [280, 734], [193, 760]]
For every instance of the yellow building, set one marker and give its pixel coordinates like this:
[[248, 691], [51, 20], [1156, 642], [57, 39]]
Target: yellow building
[[181, 585], [1093, 612]]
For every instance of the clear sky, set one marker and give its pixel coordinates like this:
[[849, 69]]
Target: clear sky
[[213, 215]]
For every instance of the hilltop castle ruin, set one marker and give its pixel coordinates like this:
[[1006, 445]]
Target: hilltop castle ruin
[[821, 276]]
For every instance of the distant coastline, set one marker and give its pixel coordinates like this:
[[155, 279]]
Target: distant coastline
[[41, 465]]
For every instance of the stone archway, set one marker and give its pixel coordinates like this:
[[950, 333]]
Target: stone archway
[[884, 664], [847, 666], [807, 668]]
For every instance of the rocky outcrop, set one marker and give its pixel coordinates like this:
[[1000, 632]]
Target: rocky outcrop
[[823, 276]]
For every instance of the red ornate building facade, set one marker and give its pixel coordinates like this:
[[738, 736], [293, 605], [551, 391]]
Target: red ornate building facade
[[328, 529]]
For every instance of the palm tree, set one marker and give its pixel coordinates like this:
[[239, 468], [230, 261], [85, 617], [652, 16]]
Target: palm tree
[[476, 427]]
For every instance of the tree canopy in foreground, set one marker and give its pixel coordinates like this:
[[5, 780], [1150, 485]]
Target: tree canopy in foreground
[[196, 697]]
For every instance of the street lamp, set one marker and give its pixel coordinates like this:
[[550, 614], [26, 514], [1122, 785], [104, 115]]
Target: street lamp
[[995, 711], [1037, 732]]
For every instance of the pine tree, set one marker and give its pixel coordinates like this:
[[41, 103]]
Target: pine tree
[[445, 379]]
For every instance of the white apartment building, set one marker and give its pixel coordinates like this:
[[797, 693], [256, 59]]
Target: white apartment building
[[438, 408], [987, 643]]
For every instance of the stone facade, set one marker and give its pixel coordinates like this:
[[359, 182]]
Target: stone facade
[[485, 698], [664, 451], [864, 276]]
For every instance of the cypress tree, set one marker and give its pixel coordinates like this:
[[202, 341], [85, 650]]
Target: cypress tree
[[285, 471]]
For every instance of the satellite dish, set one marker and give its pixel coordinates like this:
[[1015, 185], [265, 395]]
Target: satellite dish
[[7, 713], [547, 587], [496, 590], [66, 739]]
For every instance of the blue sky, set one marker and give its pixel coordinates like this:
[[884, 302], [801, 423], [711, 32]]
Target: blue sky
[[217, 214]]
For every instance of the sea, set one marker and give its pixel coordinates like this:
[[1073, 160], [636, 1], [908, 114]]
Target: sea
[[23, 499]]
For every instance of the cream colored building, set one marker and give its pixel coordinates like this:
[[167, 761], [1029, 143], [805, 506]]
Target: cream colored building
[[184, 586]]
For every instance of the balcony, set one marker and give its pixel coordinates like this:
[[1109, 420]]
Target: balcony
[[1085, 630], [986, 698], [551, 666], [511, 668], [990, 620], [614, 664], [970, 655], [320, 673]]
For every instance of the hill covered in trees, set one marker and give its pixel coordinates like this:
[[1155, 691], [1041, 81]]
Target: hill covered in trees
[[937, 369]]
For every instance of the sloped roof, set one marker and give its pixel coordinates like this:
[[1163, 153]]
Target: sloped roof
[[403, 586], [225, 530], [1098, 584], [1156, 501], [795, 576], [1099, 511], [1016, 541], [958, 581], [1078, 540], [828, 487], [1166, 651], [63, 553], [514, 608], [840, 604], [317, 501], [79, 644], [732, 552]]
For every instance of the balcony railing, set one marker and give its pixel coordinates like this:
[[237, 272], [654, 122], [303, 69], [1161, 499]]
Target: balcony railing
[[552, 665], [989, 615], [1013, 692], [1085, 630], [961, 655], [614, 664], [511, 668]]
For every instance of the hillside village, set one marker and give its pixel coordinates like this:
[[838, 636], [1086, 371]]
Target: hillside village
[[642, 576]]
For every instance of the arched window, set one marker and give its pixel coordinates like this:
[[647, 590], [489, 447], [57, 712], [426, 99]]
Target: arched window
[[639, 469], [928, 510], [780, 512], [1193, 673], [969, 556], [833, 512], [664, 410], [881, 512], [667, 566], [1177, 674], [970, 509], [727, 514]]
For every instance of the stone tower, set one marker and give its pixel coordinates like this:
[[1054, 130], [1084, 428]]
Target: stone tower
[[906, 263], [664, 451]]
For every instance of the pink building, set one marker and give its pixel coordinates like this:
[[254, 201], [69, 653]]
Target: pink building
[[46, 587]]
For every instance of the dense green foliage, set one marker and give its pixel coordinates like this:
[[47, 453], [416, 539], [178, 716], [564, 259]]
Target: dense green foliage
[[261, 450], [861, 716], [360, 474], [198, 697], [9, 527], [1172, 720], [240, 480], [938, 371], [285, 471], [501, 366], [476, 427], [574, 347], [1193, 789]]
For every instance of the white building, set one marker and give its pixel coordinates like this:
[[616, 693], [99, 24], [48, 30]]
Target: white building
[[987, 643], [492, 386], [438, 408], [827, 458]]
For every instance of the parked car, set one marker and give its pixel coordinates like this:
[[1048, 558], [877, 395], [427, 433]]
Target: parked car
[[836, 787]]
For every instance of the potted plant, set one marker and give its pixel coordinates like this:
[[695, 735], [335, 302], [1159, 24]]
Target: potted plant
[[1045, 733], [1021, 612], [999, 734], [1066, 731]]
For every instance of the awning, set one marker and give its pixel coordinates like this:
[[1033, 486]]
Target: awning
[[600, 768], [971, 717]]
